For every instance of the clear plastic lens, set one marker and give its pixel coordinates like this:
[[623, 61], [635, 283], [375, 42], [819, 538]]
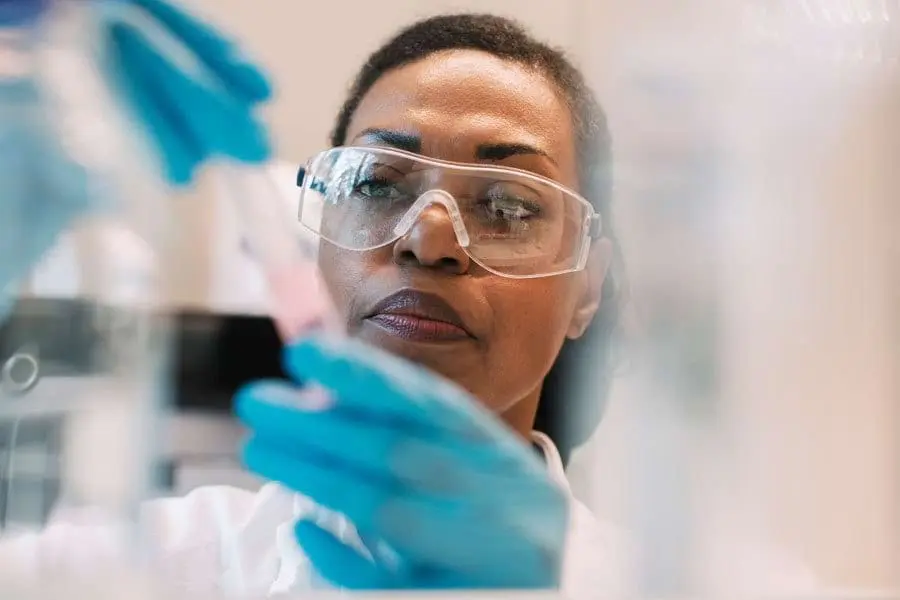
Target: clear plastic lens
[[515, 224]]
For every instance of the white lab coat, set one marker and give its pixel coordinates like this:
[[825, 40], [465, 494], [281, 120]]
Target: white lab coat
[[225, 538]]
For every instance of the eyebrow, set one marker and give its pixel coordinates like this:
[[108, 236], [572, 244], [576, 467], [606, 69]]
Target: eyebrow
[[396, 139], [413, 143], [501, 151]]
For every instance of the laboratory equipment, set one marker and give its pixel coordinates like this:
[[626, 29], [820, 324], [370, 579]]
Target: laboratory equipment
[[298, 299], [87, 366], [85, 375]]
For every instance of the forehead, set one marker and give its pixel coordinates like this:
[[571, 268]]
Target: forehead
[[458, 100]]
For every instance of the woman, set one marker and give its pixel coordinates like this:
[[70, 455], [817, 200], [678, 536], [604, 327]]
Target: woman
[[465, 225], [499, 157], [452, 237]]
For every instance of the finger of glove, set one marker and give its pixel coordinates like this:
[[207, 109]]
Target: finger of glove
[[384, 555], [282, 415], [220, 123], [220, 55], [340, 564], [180, 150], [371, 381], [381, 386], [441, 579], [333, 485], [479, 543], [217, 122]]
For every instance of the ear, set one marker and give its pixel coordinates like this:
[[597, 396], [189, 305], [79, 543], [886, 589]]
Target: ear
[[594, 275]]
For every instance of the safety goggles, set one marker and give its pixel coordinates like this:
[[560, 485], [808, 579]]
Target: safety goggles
[[513, 223]]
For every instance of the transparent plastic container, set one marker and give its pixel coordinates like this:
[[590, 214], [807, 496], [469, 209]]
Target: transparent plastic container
[[83, 325], [755, 419]]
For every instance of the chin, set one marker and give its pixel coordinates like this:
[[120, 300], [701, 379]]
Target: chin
[[462, 362]]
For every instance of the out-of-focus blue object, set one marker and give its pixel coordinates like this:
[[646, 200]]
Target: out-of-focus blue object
[[20, 12], [415, 463], [42, 189], [71, 165], [191, 89]]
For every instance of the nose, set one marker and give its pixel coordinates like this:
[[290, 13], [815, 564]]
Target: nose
[[431, 242]]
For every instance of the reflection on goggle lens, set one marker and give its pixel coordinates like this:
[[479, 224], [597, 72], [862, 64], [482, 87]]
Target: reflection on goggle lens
[[516, 224]]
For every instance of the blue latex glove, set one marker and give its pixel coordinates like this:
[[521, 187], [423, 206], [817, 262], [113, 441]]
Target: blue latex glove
[[195, 95], [189, 114], [415, 464], [21, 12]]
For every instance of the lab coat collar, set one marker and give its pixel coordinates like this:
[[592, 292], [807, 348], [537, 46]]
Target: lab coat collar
[[552, 459]]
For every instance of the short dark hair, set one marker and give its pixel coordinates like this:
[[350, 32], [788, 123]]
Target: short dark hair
[[566, 414]]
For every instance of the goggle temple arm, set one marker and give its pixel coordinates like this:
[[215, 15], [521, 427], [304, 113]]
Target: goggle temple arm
[[595, 227], [301, 175], [316, 185]]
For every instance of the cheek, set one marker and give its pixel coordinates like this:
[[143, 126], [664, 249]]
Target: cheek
[[343, 272], [531, 318]]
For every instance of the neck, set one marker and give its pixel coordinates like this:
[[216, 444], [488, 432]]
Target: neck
[[520, 416]]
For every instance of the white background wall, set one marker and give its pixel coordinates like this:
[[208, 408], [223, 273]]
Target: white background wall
[[820, 378]]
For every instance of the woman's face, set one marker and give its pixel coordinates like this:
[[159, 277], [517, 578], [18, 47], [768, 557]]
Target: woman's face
[[453, 106]]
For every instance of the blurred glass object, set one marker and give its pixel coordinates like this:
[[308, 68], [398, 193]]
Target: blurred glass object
[[81, 373], [297, 298], [732, 124]]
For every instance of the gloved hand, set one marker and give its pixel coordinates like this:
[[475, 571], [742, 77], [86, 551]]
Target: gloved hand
[[187, 85], [414, 463], [193, 107]]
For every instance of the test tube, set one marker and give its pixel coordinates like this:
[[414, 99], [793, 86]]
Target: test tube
[[299, 301]]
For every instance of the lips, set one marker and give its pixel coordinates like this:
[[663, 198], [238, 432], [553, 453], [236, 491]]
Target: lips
[[419, 316]]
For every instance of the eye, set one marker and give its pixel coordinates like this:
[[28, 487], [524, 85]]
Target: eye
[[507, 204], [376, 188], [511, 211]]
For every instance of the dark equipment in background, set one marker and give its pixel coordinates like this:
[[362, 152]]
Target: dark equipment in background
[[214, 356]]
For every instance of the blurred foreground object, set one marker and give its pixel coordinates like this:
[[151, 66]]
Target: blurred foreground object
[[753, 151], [194, 94], [90, 140], [79, 378]]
